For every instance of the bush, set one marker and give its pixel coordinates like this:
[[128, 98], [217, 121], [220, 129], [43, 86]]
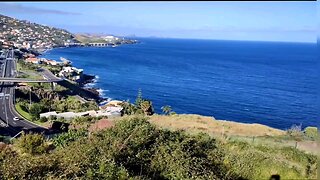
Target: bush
[[136, 149], [311, 132], [295, 132], [64, 139], [260, 161], [31, 144], [43, 119]]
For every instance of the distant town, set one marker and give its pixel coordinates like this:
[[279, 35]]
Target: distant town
[[28, 36]]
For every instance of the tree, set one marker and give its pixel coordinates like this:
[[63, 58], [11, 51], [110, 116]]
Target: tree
[[147, 107], [35, 109], [91, 105], [139, 99], [166, 109], [46, 103], [60, 105]]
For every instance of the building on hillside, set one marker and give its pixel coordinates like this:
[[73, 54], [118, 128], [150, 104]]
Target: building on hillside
[[67, 115], [71, 73], [49, 62], [48, 114], [108, 112], [33, 60]]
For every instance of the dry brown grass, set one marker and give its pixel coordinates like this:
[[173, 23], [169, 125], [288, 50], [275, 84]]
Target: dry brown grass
[[196, 123], [101, 124]]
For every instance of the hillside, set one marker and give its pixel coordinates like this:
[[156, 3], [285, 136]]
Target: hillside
[[196, 123], [25, 34], [134, 148], [230, 130], [35, 37], [100, 38]]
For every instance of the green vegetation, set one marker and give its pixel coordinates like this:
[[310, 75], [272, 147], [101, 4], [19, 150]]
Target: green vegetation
[[311, 132], [32, 112], [260, 161], [64, 139], [136, 149], [27, 70], [167, 110], [32, 144], [298, 134], [73, 104], [35, 109], [23, 111], [141, 106]]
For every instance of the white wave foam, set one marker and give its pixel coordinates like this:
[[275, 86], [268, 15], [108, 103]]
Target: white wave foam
[[90, 85], [102, 93]]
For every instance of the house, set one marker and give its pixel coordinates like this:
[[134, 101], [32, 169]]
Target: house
[[50, 62], [48, 114], [67, 115], [71, 72], [108, 112], [33, 60]]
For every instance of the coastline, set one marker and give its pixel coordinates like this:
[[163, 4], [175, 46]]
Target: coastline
[[102, 98], [87, 78]]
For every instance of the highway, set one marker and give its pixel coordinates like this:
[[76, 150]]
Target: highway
[[9, 79], [47, 75], [9, 127]]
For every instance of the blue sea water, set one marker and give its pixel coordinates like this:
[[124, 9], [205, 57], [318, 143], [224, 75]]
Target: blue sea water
[[272, 83]]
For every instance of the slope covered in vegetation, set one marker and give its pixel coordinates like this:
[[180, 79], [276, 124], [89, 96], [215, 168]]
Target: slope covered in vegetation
[[135, 148]]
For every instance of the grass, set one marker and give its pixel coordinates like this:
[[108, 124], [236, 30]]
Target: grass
[[311, 132], [197, 123], [261, 161], [26, 115], [23, 113], [28, 73], [255, 134]]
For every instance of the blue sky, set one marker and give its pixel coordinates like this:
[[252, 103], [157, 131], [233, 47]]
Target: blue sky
[[266, 21]]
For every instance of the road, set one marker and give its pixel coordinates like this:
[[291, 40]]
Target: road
[[47, 75], [10, 79], [9, 127]]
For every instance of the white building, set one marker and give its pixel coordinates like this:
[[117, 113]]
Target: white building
[[109, 112], [48, 114]]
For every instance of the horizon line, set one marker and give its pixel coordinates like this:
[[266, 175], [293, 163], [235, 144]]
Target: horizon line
[[155, 37]]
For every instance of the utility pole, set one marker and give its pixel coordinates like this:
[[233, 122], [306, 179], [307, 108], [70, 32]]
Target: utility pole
[[30, 95]]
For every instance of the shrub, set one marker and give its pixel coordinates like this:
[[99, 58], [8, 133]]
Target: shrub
[[136, 149], [43, 119], [311, 132], [295, 132], [64, 139], [31, 144]]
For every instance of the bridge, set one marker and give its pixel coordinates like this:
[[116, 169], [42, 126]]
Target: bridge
[[99, 44]]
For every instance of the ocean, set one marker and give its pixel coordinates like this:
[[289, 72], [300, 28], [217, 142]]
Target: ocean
[[271, 83]]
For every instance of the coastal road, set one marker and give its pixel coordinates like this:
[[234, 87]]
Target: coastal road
[[48, 75], [8, 126]]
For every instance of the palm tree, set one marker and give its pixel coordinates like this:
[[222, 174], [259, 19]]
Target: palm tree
[[166, 109]]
